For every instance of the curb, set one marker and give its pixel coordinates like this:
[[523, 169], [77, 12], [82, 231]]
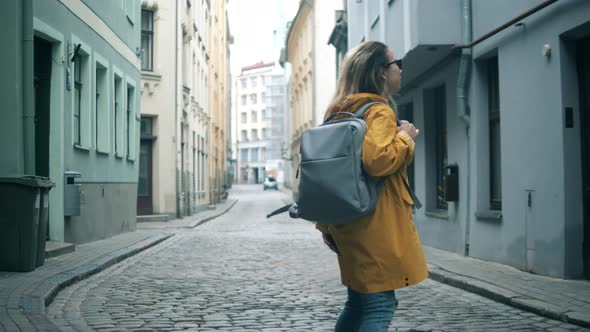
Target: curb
[[35, 301], [508, 297], [205, 219]]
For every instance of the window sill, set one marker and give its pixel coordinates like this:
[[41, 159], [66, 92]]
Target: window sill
[[119, 156], [489, 215], [104, 153], [81, 148], [130, 159], [438, 214]]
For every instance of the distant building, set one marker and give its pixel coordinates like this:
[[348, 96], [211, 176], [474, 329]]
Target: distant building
[[259, 121], [501, 163], [70, 94], [174, 165]]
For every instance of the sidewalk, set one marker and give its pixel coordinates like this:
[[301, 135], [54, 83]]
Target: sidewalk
[[23, 296], [565, 300]]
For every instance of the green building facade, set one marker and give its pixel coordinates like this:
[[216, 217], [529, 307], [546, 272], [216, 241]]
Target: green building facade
[[70, 92]]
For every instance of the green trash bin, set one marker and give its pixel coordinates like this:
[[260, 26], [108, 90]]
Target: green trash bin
[[20, 209]]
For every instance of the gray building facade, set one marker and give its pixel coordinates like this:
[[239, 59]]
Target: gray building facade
[[506, 117]]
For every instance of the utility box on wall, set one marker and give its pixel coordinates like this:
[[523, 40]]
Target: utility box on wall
[[71, 194], [452, 183]]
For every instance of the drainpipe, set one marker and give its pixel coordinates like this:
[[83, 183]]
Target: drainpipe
[[313, 66], [463, 105], [176, 108], [28, 90]]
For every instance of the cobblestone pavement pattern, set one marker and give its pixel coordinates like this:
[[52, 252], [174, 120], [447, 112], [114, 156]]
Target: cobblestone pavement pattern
[[241, 272]]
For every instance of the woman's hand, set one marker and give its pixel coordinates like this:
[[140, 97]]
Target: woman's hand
[[408, 128], [329, 241]]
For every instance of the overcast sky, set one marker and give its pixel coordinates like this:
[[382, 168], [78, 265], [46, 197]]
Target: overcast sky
[[252, 23]]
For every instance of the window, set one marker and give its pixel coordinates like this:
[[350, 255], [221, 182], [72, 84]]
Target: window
[[130, 122], [263, 115], [254, 116], [253, 98], [406, 112], [101, 107], [263, 154], [263, 96], [146, 130], [440, 116], [82, 93], [254, 134], [264, 132], [147, 39], [244, 135], [118, 115], [253, 81], [244, 155], [436, 147], [494, 130], [244, 99], [244, 83], [203, 161], [244, 117], [78, 86], [254, 156]]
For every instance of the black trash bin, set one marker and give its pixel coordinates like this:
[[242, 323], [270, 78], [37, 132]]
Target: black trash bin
[[43, 219], [20, 212]]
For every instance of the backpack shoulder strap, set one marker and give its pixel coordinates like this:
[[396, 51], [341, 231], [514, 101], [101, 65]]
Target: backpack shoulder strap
[[359, 113], [279, 211]]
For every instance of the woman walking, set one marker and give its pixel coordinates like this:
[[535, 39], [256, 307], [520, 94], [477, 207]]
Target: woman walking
[[380, 252]]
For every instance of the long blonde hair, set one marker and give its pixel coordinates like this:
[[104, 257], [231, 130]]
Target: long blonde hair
[[362, 72]]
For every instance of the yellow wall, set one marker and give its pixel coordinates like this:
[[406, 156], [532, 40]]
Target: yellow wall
[[218, 97]]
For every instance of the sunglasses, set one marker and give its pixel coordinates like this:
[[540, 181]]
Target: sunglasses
[[398, 62]]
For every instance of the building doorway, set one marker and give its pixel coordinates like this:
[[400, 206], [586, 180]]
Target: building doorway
[[583, 60], [42, 100], [145, 183]]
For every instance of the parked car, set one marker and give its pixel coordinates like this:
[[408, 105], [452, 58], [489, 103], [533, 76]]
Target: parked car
[[270, 183]]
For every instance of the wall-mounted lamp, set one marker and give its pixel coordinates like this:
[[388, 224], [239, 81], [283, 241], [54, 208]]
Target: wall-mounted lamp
[[74, 53]]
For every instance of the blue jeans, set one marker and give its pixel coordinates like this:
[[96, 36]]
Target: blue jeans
[[367, 312]]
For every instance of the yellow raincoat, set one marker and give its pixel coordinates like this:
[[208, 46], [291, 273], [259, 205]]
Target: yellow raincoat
[[382, 251]]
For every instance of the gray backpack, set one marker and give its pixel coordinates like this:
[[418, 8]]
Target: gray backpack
[[334, 188]]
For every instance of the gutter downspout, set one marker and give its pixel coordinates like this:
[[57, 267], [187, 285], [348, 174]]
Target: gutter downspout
[[313, 66], [28, 89], [463, 105], [178, 90]]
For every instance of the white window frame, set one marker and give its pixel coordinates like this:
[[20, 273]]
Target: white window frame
[[118, 124], [86, 110], [102, 134], [133, 122]]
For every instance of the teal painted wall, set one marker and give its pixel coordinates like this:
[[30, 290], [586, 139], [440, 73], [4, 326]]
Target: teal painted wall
[[11, 155], [95, 167]]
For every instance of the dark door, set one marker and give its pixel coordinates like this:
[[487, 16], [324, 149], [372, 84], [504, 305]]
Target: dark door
[[406, 112], [144, 186], [583, 59], [42, 97]]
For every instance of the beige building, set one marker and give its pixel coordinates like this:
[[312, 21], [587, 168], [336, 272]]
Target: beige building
[[312, 68], [219, 97], [174, 152]]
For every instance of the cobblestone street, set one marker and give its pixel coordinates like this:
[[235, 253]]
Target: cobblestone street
[[241, 272]]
